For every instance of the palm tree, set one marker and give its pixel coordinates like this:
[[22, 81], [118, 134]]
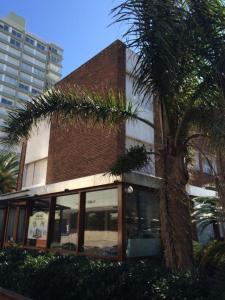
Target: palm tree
[[8, 172], [179, 64], [207, 211]]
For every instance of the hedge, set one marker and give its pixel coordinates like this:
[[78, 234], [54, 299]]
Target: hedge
[[49, 276]]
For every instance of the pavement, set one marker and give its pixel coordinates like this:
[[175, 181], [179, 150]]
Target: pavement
[[8, 295]]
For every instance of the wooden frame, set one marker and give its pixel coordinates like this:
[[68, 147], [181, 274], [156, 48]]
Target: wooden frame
[[121, 254], [6, 243], [5, 209]]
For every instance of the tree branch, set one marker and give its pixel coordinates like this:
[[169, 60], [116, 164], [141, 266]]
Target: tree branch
[[195, 136]]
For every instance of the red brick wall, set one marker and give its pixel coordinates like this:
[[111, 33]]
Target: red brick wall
[[21, 167], [80, 151]]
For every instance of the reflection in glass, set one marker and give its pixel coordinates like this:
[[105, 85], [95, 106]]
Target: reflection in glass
[[10, 225], [101, 219], [21, 225], [38, 224], [65, 222], [142, 223], [2, 217]]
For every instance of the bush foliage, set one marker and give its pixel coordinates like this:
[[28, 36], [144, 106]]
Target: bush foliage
[[42, 275]]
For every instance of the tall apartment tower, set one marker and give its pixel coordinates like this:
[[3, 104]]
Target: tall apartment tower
[[28, 65]]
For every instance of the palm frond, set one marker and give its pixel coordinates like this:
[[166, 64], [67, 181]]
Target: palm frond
[[66, 107], [135, 158], [160, 33], [9, 165], [207, 211]]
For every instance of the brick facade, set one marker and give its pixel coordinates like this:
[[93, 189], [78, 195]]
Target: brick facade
[[79, 151], [21, 167]]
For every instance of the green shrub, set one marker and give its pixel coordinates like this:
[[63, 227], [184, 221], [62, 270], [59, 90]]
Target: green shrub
[[197, 251], [213, 256], [212, 263], [52, 276]]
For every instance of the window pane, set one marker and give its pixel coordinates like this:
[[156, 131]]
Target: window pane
[[6, 101], [26, 67], [38, 224], [9, 91], [40, 171], [11, 222], [4, 36], [142, 223], [21, 225], [29, 40], [12, 70], [10, 80], [13, 61], [65, 222], [2, 216], [14, 51], [101, 219]]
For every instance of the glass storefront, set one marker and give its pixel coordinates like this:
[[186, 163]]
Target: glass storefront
[[37, 235], [15, 231], [65, 222], [21, 225], [101, 223], [86, 223], [142, 223], [10, 225], [2, 220]]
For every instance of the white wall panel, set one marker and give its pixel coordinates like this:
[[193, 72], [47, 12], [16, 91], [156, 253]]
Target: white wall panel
[[38, 144]]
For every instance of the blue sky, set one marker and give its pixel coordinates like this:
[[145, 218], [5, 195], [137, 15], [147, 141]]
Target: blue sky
[[78, 26]]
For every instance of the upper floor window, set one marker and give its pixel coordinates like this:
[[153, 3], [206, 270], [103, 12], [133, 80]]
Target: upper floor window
[[39, 73], [8, 90], [26, 67], [15, 43], [10, 80], [4, 27], [196, 161], [53, 50], [6, 101], [149, 168], [55, 59], [29, 40], [35, 92], [24, 87], [16, 34], [12, 70], [14, 51], [13, 61], [4, 36], [209, 164], [41, 46]]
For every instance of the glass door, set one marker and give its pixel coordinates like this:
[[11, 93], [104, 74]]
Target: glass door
[[2, 223], [15, 225]]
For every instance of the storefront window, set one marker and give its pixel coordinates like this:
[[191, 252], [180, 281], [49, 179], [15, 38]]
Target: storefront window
[[142, 223], [101, 223], [10, 224], [38, 224], [16, 223], [65, 222], [21, 225], [2, 219]]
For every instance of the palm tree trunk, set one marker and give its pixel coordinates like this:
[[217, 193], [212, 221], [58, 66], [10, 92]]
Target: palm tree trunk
[[176, 230]]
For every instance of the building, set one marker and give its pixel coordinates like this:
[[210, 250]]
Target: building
[[65, 202], [28, 65]]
